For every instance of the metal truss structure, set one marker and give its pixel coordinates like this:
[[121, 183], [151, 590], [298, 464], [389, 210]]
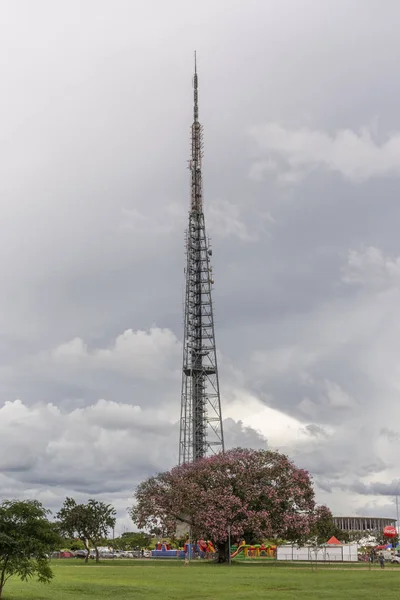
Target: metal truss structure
[[201, 432]]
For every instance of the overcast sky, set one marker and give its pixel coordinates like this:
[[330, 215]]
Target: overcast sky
[[300, 105]]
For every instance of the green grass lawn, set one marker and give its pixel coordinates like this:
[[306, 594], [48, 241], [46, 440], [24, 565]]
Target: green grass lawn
[[170, 580]]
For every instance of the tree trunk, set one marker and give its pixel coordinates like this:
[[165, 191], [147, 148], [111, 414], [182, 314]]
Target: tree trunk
[[97, 554], [3, 576], [223, 552], [87, 553]]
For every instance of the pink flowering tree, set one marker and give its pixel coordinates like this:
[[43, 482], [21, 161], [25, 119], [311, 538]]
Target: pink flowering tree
[[257, 493]]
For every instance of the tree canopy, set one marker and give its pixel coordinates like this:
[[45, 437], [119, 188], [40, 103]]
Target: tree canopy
[[89, 522], [324, 527], [257, 493], [26, 537], [132, 539]]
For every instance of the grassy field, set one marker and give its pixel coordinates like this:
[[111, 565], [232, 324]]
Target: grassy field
[[126, 580]]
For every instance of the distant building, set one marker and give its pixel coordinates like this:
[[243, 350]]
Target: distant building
[[363, 523]]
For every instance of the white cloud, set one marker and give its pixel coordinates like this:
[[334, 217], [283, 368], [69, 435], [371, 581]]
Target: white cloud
[[282, 360], [143, 354], [91, 440], [326, 451], [337, 397], [273, 425], [259, 169], [356, 156], [103, 449], [144, 222], [332, 390], [371, 267], [94, 211], [225, 219]]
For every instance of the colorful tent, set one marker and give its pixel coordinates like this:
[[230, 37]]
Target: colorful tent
[[333, 541]]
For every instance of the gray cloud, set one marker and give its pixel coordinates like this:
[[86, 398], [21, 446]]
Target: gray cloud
[[94, 199]]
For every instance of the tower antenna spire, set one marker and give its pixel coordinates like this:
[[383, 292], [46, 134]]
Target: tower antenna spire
[[201, 431], [195, 89]]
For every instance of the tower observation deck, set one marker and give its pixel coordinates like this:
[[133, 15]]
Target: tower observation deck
[[201, 432]]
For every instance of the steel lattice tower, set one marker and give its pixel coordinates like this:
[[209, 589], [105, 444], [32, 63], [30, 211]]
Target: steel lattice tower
[[201, 430]]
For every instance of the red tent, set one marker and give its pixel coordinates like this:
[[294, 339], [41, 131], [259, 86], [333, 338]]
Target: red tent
[[333, 542]]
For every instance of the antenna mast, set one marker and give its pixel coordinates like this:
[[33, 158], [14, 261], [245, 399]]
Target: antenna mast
[[201, 431]]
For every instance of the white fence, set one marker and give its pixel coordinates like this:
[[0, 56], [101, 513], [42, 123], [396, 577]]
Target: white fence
[[345, 553]]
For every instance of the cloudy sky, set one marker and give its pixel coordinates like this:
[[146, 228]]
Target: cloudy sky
[[299, 101]]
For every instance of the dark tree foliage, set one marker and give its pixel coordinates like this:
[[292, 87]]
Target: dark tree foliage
[[26, 538], [72, 544], [324, 527], [132, 539]]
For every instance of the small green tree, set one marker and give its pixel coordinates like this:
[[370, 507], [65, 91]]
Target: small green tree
[[74, 544], [324, 527], [135, 539], [26, 537], [89, 522]]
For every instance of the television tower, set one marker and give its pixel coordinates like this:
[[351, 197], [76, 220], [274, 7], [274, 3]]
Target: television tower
[[201, 430]]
